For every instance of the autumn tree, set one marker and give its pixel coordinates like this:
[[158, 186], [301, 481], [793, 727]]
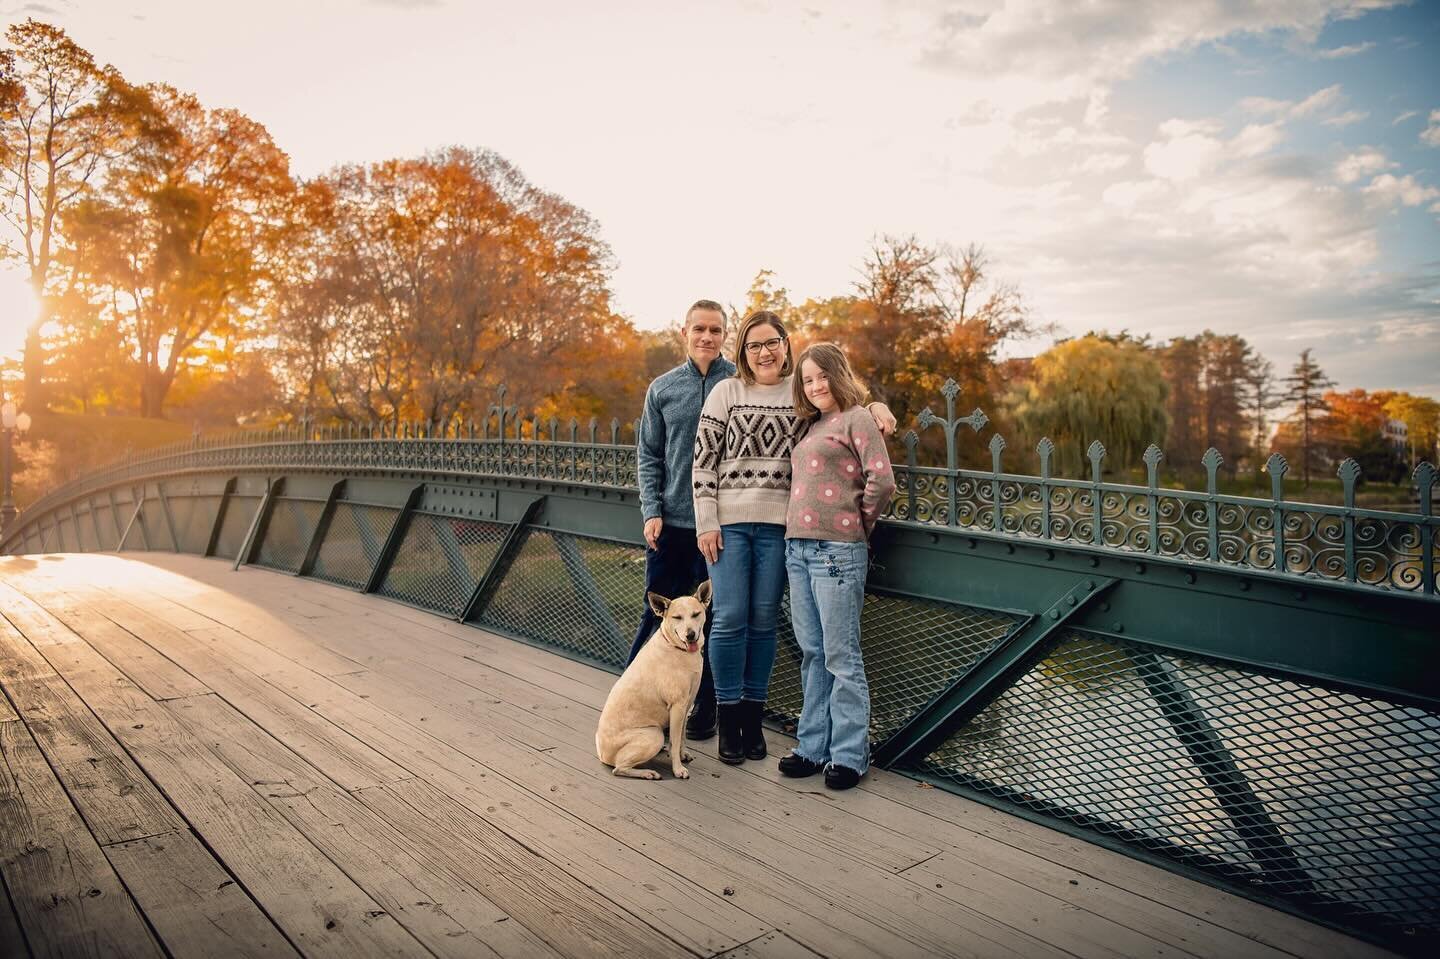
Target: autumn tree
[[1354, 428], [55, 135], [1089, 389], [1421, 416], [174, 245], [418, 286], [1305, 387], [920, 314]]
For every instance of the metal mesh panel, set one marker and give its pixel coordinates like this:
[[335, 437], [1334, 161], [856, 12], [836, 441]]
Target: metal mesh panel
[[109, 535], [1314, 793], [157, 530], [575, 594], [352, 543], [288, 532], [441, 560], [239, 513], [194, 518], [84, 532], [913, 651]]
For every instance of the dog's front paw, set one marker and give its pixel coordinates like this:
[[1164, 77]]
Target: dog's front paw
[[682, 772], [687, 757], [649, 774]]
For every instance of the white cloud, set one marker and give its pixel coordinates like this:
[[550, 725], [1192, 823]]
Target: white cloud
[[1103, 163], [1431, 134], [1367, 162], [1257, 139], [1403, 117], [1265, 106], [1317, 101], [1391, 189], [1354, 49], [1345, 119]]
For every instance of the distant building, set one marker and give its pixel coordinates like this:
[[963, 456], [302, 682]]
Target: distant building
[[1397, 435]]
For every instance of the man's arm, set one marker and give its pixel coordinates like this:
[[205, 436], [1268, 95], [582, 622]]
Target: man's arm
[[650, 463]]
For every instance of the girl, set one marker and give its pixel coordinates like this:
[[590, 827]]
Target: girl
[[841, 484], [741, 482]]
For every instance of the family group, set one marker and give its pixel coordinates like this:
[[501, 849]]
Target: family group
[[754, 473]]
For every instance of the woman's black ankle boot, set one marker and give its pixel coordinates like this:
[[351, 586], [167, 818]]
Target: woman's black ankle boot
[[732, 742], [752, 730]]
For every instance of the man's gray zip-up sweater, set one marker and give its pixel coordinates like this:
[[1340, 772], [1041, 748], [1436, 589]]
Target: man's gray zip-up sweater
[[665, 448]]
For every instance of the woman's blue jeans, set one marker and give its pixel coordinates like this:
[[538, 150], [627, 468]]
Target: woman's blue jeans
[[748, 579], [827, 591]]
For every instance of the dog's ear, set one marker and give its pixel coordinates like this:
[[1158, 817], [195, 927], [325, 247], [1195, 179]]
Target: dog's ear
[[658, 603], [704, 593]]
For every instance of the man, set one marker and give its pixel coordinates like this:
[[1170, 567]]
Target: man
[[665, 449]]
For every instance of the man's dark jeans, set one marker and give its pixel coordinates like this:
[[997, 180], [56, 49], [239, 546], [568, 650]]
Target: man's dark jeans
[[675, 568]]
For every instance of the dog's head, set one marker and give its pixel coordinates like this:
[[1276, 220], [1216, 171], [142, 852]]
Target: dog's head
[[682, 621]]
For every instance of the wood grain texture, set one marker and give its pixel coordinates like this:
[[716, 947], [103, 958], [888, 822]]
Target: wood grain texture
[[68, 898], [113, 796], [194, 905], [486, 826]]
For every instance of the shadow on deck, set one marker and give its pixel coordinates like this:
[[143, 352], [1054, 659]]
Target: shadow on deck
[[198, 761]]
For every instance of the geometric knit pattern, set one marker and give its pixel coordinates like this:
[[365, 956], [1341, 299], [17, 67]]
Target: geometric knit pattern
[[741, 467]]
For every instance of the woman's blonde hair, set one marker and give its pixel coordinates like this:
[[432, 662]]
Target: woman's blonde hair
[[742, 358], [844, 385]]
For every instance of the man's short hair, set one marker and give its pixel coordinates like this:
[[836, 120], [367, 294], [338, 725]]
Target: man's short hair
[[706, 305]]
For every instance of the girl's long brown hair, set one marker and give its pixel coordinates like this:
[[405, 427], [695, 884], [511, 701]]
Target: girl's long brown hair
[[844, 385]]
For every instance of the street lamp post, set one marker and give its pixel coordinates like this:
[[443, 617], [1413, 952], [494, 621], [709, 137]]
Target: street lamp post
[[10, 424]]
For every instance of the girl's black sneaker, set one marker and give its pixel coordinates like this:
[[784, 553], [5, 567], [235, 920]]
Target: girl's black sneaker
[[841, 777], [797, 766]]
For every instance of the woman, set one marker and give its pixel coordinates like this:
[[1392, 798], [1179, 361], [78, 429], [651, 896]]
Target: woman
[[741, 482]]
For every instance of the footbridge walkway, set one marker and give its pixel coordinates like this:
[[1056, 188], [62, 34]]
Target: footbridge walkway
[[328, 692]]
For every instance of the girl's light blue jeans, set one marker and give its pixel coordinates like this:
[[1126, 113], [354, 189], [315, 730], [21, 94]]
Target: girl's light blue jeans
[[748, 580], [827, 591]]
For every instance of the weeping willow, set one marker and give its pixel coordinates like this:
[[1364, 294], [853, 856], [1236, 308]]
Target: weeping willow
[[1091, 389]]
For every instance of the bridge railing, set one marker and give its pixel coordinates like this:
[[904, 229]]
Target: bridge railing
[[1383, 549], [1243, 689]]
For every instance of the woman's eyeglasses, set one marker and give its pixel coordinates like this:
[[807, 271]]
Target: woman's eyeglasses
[[755, 346]]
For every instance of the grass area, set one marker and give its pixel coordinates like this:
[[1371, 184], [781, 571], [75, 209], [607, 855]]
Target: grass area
[[60, 446]]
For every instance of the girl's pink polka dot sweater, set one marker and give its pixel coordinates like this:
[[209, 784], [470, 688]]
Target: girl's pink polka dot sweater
[[841, 479]]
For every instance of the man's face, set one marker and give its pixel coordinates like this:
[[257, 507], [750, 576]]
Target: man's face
[[704, 335]]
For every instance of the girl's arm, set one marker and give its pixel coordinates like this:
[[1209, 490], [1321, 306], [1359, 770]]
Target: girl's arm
[[869, 447]]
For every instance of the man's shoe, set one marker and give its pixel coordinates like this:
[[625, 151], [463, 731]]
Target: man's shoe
[[841, 777], [752, 730], [732, 745], [701, 724], [797, 766]]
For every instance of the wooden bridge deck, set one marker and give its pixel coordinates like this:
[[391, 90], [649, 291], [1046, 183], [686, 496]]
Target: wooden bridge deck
[[198, 761]]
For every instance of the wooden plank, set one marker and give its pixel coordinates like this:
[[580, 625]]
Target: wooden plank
[[12, 940], [68, 899], [701, 922], [7, 712], [430, 893], [113, 796], [319, 908], [194, 905], [779, 848], [772, 945], [339, 755], [149, 670], [547, 721], [1193, 910], [1163, 905]]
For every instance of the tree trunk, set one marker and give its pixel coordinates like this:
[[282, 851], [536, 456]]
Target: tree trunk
[[35, 398]]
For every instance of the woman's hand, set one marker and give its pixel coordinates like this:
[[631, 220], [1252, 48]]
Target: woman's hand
[[710, 545], [884, 419]]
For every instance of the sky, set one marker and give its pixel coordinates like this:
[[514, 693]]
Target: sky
[[1266, 169]]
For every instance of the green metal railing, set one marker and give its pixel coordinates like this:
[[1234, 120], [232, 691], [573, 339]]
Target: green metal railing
[[1245, 690]]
